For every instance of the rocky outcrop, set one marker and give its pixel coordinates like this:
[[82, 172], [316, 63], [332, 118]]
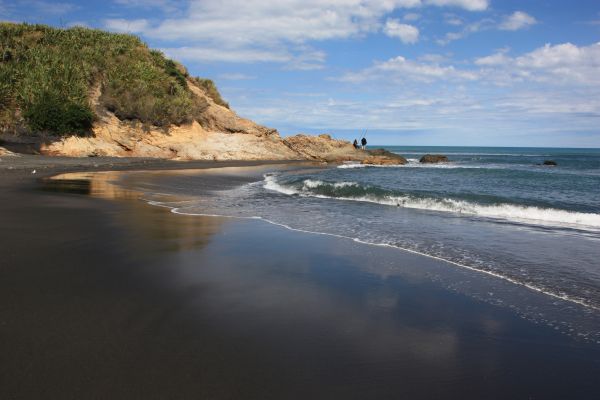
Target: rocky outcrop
[[218, 134], [323, 148], [433, 159], [383, 157], [550, 163]]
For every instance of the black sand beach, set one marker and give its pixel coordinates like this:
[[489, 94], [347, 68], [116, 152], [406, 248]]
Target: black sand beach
[[118, 299]]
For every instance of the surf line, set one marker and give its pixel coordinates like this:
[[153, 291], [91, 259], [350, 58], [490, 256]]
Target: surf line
[[529, 286]]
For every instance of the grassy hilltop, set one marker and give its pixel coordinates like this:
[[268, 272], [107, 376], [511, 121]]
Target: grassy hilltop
[[56, 81]]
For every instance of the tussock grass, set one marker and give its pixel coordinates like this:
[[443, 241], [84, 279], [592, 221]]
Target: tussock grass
[[48, 75], [211, 90]]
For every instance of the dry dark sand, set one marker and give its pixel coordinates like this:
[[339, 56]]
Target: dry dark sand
[[119, 299]]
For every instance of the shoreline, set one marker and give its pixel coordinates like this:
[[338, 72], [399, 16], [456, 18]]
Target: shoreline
[[22, 165], [124, 299], [579, 325]]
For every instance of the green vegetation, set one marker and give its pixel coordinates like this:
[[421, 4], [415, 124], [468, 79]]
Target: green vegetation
[[211, 90], [52, 80], [55, 114]]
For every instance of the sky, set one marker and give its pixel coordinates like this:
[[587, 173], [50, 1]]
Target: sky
[[412, 72]]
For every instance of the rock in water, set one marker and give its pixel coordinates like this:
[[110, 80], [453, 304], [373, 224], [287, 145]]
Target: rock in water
[[383, 160], [383, 157], [433, 159], [550, 163]]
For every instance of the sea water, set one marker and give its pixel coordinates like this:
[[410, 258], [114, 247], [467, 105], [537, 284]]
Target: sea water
[[493, 211]]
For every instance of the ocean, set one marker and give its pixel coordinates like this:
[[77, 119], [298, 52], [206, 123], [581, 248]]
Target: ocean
[[493, 211]]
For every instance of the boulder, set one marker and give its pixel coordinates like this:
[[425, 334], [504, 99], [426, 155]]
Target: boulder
[[385, 153], [551, 163], [383, 160], [433, 159], [383, 157]]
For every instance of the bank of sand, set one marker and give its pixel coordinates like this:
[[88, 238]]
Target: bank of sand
[[114, 298]]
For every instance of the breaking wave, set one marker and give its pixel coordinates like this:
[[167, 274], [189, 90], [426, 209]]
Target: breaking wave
[[354, 191]]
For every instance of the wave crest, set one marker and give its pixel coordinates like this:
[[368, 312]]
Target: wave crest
[[354, 191]]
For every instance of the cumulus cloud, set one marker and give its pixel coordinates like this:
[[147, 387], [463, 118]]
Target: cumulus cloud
[[211, 28], [517, 20], [401, 69], [559, 64], [406, 33], [253, 21]]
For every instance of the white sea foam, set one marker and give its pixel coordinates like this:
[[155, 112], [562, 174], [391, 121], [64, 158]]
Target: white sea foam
[[414, 163], [533, 287], [504, 211], [351, 165], [479, 154]]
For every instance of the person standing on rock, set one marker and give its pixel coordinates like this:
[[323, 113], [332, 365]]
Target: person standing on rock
[[363, 142], [355, 144]]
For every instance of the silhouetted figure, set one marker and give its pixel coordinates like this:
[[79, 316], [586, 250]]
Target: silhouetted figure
[[355, 144], [363, 142]]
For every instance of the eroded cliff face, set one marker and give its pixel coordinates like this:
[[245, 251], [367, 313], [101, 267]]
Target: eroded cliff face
[[219, 134]]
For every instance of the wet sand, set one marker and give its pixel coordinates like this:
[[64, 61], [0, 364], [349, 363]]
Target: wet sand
[[118, 299]]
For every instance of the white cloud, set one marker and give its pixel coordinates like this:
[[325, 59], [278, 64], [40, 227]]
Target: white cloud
[[481, 25], [127, 25], [400, 69], [470, 5], [560, 64], [517, 20], [236, 22], [566, 61], [225, 55], [406, 33], [498, 58], [211, 28], [306, 59], [433, 58]]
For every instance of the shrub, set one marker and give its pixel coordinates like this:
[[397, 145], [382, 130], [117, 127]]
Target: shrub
[[55, 114], [211, 91]]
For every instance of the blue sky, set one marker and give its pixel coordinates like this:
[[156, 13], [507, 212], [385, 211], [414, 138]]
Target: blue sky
[[414, 72]]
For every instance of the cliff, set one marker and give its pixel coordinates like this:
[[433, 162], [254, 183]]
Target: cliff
[[84, 92]]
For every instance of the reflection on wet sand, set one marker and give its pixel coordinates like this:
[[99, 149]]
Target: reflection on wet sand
[[271, 313], [173, 233]]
